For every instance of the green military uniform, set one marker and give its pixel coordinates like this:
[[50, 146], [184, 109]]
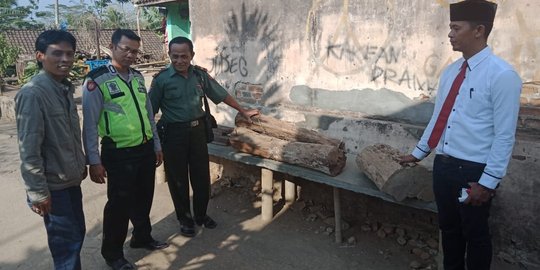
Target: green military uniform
[[169, 87], [184, 148]]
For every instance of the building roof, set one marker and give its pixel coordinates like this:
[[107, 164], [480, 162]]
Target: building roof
[[142, 3], [152, 44]]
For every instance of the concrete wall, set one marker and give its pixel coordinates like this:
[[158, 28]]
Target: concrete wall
[[367, 71]]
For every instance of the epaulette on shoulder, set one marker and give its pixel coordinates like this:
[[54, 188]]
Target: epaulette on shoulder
[[204, 71], [200, 68], [159, 72], [97, 72]]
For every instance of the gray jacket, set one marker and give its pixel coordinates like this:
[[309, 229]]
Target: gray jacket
[[49, 136]]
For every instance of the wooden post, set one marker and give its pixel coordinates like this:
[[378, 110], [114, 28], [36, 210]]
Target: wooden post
[[267, 190], [290, 192], [337, 214], [98, 46]]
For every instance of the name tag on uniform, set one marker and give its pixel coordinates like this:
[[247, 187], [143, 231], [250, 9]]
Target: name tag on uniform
[[114, 89], [142, 88]]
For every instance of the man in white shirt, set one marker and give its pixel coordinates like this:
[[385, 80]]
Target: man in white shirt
[[472, 130]]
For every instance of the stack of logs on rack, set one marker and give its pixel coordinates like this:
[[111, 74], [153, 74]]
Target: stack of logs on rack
[[380, 162], [271, 138]]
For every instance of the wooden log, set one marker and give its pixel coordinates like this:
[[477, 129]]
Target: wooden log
[[325, 158], [285, 130], [380, 163]]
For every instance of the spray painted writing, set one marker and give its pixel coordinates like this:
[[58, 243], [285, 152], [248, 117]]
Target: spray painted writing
[[367, 53], [226, 62], [405, 78]]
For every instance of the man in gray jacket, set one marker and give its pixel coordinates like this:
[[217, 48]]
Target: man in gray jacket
[[53, 163]]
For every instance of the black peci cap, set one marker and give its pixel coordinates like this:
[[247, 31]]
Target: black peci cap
[[473, 10]]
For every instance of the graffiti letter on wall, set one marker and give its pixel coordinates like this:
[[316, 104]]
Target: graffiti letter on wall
[[223, 62]]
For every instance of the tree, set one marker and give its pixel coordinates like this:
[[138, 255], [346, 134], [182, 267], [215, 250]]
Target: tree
[[8, 57], [84, 15], [18, 17], [152, 18], [115, 19]]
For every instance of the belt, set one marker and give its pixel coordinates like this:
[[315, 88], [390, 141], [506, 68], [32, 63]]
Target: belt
[[189, 124], [451, 159], [112, 146]]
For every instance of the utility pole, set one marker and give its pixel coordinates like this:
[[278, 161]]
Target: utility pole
[[139, 27], [56, 14]]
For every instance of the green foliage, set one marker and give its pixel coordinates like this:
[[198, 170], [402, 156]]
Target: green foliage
[[30, 70], [87, 16], [152, 18], [113, 18], [15, 16], [8, 55], [76, 16]]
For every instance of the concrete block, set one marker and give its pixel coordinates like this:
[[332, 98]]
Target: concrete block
[[534, 102], [530, 89], [7, 108]]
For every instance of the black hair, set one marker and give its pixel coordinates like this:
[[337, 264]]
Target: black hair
[[181, 40], [119, 33], [488, 26], [50, 37]]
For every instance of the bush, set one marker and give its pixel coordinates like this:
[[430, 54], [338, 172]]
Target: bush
[[8, 56]]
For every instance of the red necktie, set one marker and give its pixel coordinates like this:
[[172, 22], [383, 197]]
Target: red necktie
[[446, 108]]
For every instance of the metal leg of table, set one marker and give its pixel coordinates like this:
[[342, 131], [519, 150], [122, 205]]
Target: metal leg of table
[[267, 190], [337, 214], [290, 192]]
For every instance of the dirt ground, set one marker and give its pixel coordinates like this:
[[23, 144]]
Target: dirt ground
[[294, 239]]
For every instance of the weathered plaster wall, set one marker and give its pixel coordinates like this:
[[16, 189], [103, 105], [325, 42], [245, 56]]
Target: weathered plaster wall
[[367, 71], [341, 45]]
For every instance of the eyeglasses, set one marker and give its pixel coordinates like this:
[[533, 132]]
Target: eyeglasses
[[128, 50]]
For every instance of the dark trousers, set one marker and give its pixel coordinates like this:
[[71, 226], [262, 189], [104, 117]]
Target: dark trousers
[[464, 228], [185, 151], [130, 191], [66, 228]]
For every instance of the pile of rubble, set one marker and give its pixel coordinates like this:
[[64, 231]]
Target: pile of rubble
[[424, 246]]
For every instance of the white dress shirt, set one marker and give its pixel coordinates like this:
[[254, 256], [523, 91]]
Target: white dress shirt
[[482, 124]]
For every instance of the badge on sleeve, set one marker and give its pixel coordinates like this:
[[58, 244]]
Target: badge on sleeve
[[91, 86]]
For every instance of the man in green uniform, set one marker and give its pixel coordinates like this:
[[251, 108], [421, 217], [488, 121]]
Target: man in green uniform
[[115, 107], [179, 91]]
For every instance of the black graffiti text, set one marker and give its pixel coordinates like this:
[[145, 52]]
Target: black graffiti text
[[225, 62], [404, 78]]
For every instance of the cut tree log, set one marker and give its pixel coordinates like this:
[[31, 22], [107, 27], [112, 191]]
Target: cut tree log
[[285, 131], [380, 163], [326, 158]]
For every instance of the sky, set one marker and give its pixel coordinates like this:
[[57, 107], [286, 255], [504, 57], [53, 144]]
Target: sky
[[44, 3]]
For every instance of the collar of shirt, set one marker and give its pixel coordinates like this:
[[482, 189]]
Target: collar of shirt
[[65, 86], [173, 72], [112, 69], [476, 59]]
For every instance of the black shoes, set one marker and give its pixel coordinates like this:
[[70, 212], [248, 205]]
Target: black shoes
[[152, 245], [120, 264], [187, 228], [206, 221]]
